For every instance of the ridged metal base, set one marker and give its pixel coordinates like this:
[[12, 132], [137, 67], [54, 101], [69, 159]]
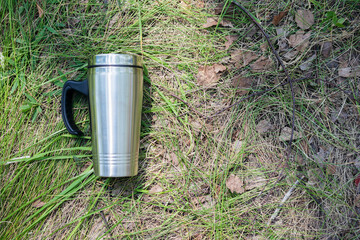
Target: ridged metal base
[[116, 165]]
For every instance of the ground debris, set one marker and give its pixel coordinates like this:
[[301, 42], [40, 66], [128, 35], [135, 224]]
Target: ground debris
[[209, 75], [348, 68], [237, 146], [308, 63], [242, 58], [264, 126], [255, 181], [286, 134], [300, 40], [262, 64], [211, 21], [155, 189], [326, 49], [241, 83], [304, 19], [277, 18], [235, 184], [230, 40]]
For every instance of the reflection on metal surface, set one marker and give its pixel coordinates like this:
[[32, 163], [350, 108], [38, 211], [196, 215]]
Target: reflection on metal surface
[[115, 106]]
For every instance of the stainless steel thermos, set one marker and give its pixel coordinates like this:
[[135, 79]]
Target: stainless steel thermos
[[115, 90]]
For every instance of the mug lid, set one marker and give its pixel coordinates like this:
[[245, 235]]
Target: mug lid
[[115, 60]]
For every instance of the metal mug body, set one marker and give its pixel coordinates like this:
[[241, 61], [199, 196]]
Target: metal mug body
[[115, 93]]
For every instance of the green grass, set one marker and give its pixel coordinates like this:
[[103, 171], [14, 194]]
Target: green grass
[[189, 157]]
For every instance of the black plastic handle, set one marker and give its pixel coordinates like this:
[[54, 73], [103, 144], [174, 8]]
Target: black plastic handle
[[66, 103]]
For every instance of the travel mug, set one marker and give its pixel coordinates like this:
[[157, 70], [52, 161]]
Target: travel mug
[[115, 89]]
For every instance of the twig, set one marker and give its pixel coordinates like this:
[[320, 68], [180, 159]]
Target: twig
[[102, 215], [289, 80], [286, 197]]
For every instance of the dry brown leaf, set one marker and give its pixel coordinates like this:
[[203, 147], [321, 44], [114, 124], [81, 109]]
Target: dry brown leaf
[[348, 68], [304, 19], [264, 126], [230, 40], [349, 72], [290, 54], [38, 204], [40, 10], [286, 134], [209, 75], [308, 63], [241, 83], [282, 41], [226, 23], [299, 40], [242, 58], [326, 49], [211, 21], [155, 189], [235, 184], [262, 64], [277, 18]]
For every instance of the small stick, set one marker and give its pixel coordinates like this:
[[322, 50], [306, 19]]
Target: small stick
[[286, 197], [289, 79]]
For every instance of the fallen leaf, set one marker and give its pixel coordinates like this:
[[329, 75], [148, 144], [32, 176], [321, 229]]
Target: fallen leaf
[[277, 18], [209, 75], [308, 63], [235, 184], [155, 189], [230, 40], [241, 83], [255, 182], [242, 58], [290, 54], [211, 21], [304, 19], [286, 134], [299, 40], [226, 23], [262, 64], [348, 68], [40, 10], [282, 41], [357, 201], [264, 126], [38, 204], [326, 49]]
